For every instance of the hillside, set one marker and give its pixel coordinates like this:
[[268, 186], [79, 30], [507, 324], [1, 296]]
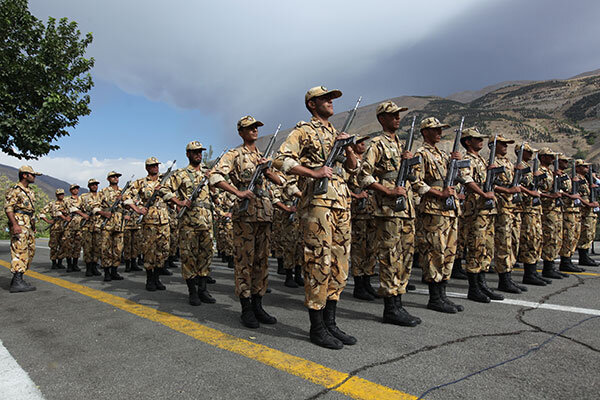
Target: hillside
[[46, 183]]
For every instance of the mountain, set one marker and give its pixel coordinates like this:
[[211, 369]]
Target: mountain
[[47, 183]]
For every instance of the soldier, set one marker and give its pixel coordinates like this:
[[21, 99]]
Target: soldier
[[395, 230], [551, 215], [155, 223], [223, 202], [132, 240], [325, 218], [588, 215], [479, 219], [571, 219], [112, 233], [19, 206], [252, 227], [436, 226], [195, 226], [73, 235], [91, 234], [59, 212]]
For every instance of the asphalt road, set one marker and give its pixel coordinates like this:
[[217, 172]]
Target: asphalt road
[[76, 346]]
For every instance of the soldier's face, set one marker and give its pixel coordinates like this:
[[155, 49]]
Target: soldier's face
[[93, 187], [249, 133], [501, 148], [152, 169], [323, 106], [432, 135], [582, 169], [113, 180], [60, 197], [546, 159], [30, 178], [475, 143], [527, 155], [390, 121], [74, 191], [194, 156], [562, 164]]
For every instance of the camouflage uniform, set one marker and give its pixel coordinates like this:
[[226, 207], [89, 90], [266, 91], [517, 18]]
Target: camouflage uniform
[[288, 229], [530, 239], [73, 234], [224, 225], [20, 200], [91, 234], [504, 257], [571, 224], [57, 231], [551, 220], [132, 238], [112, 233], [588, 218], [174, 229]]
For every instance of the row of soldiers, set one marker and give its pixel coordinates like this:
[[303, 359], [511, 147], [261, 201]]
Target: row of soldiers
[[327, 212]]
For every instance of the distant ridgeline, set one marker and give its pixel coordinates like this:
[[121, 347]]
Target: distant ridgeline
[[46, 183]]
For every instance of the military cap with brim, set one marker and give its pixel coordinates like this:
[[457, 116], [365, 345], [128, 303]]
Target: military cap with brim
[[113, 173], [472, 132], [28, 169], [152, 161], [432, 122], [526, 147], [73, 186], [93, 182], [546, 151], [195, 145], [389, 107], [580, 162], [247, 121], [319, 91], [59, 191], [564, 157], [503, 139]]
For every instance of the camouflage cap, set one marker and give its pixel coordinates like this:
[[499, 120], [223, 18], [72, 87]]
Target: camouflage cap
[[152, 161], [73, 186], [472, 132], [195, 145], [247, 121], [546, 151], [112, 173], [526, 147], [389, 107], [319, 91], [59, 191], [93, 181], [432, 122], [564, 157], [28, 169], [580, 162], [503, 139]]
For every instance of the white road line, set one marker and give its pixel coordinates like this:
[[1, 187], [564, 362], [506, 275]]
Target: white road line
[[15, 384]]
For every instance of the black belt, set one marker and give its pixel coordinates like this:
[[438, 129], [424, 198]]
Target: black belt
[[30, 213]]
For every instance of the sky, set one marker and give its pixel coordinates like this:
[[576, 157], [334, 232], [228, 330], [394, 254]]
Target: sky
[[170, 72]]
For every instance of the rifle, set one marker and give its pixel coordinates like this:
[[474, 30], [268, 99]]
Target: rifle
[[406, 168], [152, 198], [338, 146], [453, 167], [294, 204], [593, 191], [491, 174], [114, 205], [537, 180], [574, 186], [557, 182], [518, 176], [260, 170], [198, 188]]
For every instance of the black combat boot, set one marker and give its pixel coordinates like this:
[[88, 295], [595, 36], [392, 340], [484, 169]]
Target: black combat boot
[[75, 264], [194, 300], [230, 263], [329, 320], [548, 271], [261, 315], [485, 288], [505, 284], [222, 256], [54, 265], [150, 284], [69, 265], [521, 287], [435, 300], [445, 298], [107, 276], [140, 260], [319, 334], [115, 275], [134, 267], [127, 265], [203, 294], [88, 269], [392, 315], [19, 285], [289, 279], [398, 300], [530, 278], [248, 318], [280, 266], [59, 264], [457, 270], [410, 287], [566, 265], [157, 282], [585, 259], [359, 289], [368, 287], [298, 276], [210, 280], [171, 262], [475, 292], [165, 269]]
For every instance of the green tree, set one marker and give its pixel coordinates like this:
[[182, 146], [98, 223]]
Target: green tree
[[43, 80]]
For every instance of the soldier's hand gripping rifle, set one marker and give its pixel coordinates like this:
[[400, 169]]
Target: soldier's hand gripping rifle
[[198, 188], [116, 203], [152, 198], [453, 168], [491, 174], [338, 147], [294, 204], [593, 190], [406, 166], [574, 185], [557, 182], [537, 179], [260, 170], [518, 176]]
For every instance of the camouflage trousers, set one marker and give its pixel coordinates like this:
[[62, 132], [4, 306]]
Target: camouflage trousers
[[56, 243], [173, 239], [195, 250], [571, 232], [73, 242], [395, 243], [461, 239], [551, 233], [437, 236], [530, 241], [504, 256], [251, 243], [327, 236], [588, 231], [155, 245], [516, 234], [291, 241], [363, 250], [479, 242], [278, 233], [225, 236], [132, 243], [22, 249], [92, 245], [112, 248]]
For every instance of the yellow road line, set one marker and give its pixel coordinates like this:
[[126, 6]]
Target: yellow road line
[[570, 273], [354, 387]]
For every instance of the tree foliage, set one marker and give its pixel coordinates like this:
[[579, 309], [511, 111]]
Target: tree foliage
[[44, 79]]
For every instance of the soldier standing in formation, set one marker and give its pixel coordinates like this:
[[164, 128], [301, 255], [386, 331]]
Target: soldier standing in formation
[[112, 228], [73, 229], [571, 218], [132, 240], [91, 235], [589, 214], [59, 216]]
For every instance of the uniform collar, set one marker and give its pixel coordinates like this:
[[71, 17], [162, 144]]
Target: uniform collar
[[318, 124]]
